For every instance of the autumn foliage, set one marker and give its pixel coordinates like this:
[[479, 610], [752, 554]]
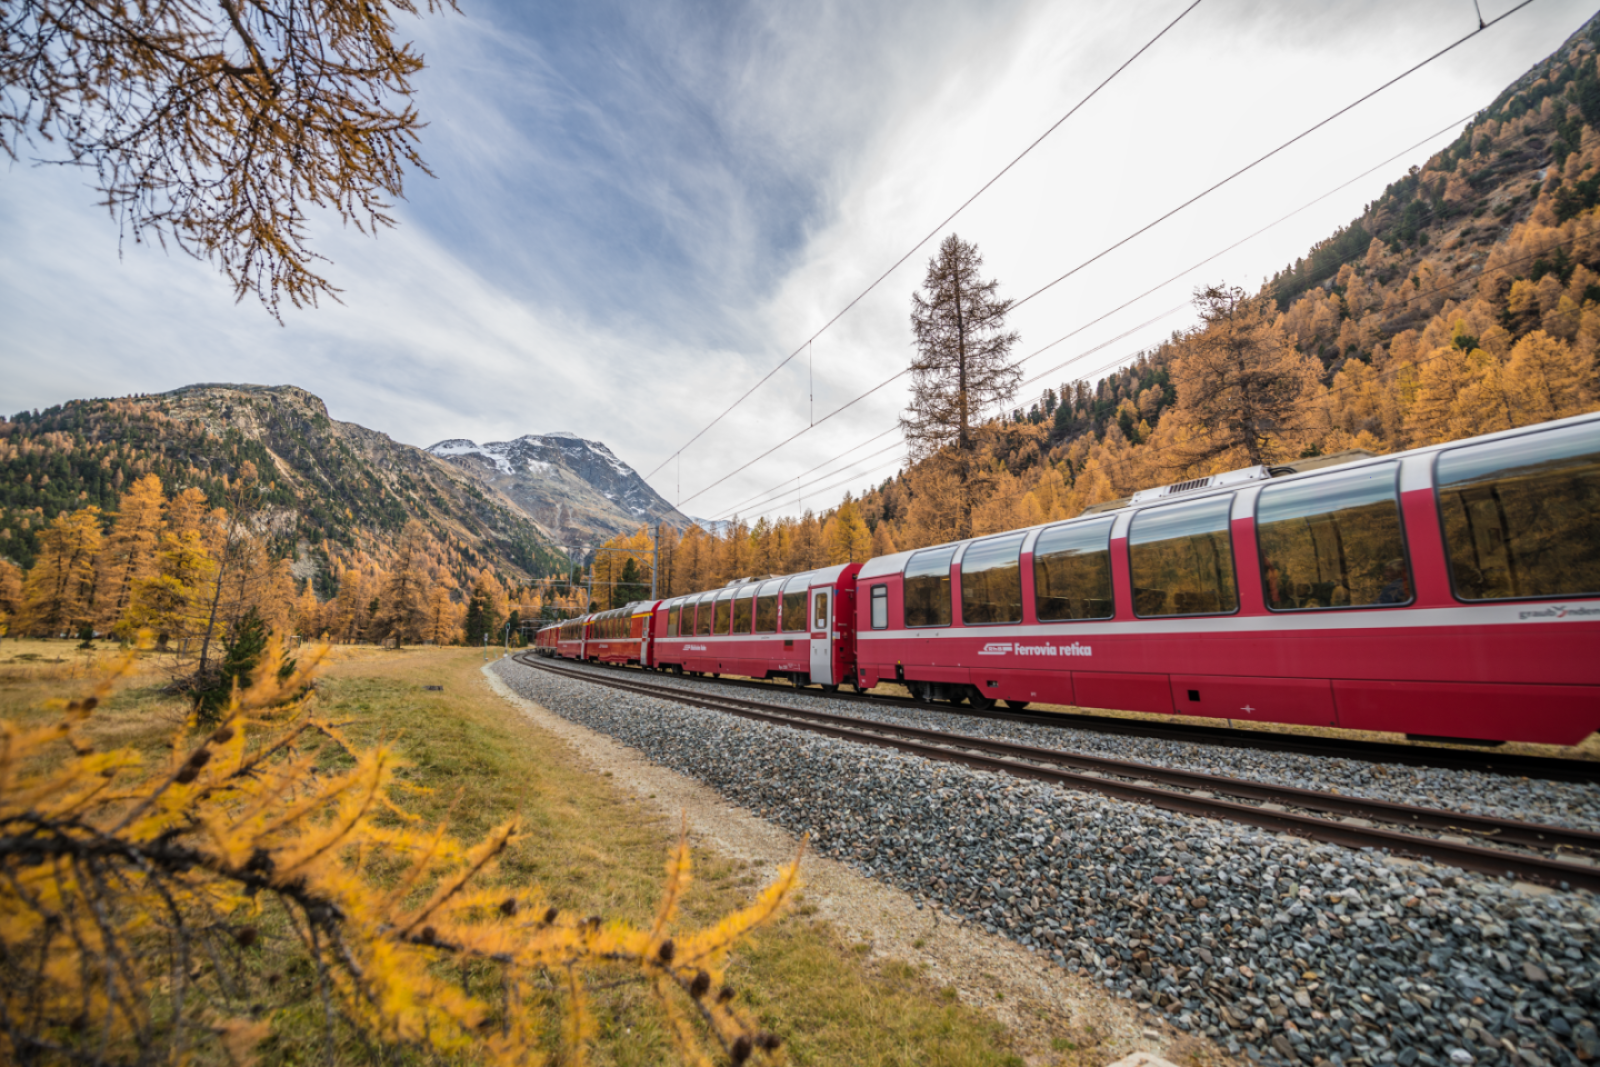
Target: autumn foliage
[[142, 905]]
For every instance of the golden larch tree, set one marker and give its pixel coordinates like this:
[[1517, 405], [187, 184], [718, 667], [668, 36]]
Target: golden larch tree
[[58, 594], [130, 548], [1242, 386]]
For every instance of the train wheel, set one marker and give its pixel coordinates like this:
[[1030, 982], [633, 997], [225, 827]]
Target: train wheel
[[979, 700], [1016, 705]]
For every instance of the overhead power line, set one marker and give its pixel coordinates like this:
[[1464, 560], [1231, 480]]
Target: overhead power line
[[931, 234], [784, 486], [1262, 159]]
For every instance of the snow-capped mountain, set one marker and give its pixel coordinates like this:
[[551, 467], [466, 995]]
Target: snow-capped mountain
[[577, 489]]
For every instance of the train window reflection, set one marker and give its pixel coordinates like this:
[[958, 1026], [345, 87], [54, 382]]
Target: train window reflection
[[1520, 515], [724, 613], [702, 622], [794, 606], [767, 613], [1334, 542], [741, 612], [1072, 572], [991, 581], [927, 587], [1182, 560], [673, 615], [880, 607]]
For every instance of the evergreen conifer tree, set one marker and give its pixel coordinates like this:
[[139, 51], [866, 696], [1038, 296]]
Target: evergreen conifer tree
[[963, 364]]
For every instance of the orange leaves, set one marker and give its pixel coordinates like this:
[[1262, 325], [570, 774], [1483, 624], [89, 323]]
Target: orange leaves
[[145, 901]]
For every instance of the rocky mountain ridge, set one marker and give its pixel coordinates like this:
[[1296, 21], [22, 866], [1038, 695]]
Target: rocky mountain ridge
[[576, 489]]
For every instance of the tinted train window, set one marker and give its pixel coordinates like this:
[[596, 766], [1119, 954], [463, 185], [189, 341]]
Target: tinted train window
[[1334, 542], [991, 581], [1520, 516], [1182, 560], [741, 615], [673, 615], [927, 588], [724, 612], [880, 607], [702, 621], [794, 609], [1072, 572], [767, 610]]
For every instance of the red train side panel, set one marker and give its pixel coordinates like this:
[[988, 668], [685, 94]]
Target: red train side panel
[[1283, 599]]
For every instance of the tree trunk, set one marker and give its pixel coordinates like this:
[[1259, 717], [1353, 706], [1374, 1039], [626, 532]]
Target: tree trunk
[[963, 438]]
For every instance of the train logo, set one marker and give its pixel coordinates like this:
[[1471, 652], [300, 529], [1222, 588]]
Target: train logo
[[1002, 648]]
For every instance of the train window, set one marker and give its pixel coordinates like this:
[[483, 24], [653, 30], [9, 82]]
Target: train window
[[991, 581], [767, 608], [794, 607], [927, 588], [1072, 572], [880, 607], [1334, 542], [674, 613], [702, 622], [741, 612], [724, 613], [819, 612], [1520, 515], [1182, 560]]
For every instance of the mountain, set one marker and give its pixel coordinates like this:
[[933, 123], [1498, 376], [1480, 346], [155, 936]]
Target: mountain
[[576, 489], [332, 487]]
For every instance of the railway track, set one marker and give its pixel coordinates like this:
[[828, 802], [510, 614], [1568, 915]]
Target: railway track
[[1515, 765], [1527, 851]]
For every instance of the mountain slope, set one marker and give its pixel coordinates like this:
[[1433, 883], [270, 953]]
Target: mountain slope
[[333, 486], [576, 489]]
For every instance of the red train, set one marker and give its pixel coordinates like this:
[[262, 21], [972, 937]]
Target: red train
[[1448, 592]]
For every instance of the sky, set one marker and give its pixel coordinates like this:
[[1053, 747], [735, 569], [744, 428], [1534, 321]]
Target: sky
[[639, 210]]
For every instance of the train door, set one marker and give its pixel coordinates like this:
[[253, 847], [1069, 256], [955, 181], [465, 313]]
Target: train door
[[821, 643]]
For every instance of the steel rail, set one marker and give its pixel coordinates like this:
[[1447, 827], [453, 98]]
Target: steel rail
[[1515, 765], [1092, 776]]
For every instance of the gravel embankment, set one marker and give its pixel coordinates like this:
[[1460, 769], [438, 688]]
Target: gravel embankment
[[1571, 804], [1282, 948]]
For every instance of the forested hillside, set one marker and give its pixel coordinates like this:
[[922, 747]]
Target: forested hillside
[[1464, 300], [329, 490]]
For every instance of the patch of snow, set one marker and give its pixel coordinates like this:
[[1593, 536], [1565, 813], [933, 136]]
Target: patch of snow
[[539, 466], [461, 447], [563, 433]]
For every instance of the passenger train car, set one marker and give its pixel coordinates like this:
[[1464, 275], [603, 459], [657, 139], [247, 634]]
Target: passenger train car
[[1449, 592], [800, 627]]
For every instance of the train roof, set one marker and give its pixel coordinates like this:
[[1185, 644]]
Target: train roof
[[1227, 482]]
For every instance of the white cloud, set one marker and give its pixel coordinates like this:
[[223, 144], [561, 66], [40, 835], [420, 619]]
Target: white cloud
[[637, 218]]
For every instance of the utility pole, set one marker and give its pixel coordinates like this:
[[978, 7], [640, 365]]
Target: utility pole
[[655, 562]]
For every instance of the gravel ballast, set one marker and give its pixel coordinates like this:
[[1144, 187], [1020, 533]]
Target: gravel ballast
[[1571, 804], [1280, 948]]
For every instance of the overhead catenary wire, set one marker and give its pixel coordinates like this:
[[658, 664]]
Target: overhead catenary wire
[[1130, 302], [783, 490], [934, 232], [1472, 279], [1262, 159], [1391, 370], [1146, 228]]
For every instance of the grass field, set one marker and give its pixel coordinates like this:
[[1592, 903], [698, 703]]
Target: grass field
[[592, 848]]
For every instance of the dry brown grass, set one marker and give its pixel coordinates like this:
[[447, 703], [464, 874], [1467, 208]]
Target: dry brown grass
[[475, 761]]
